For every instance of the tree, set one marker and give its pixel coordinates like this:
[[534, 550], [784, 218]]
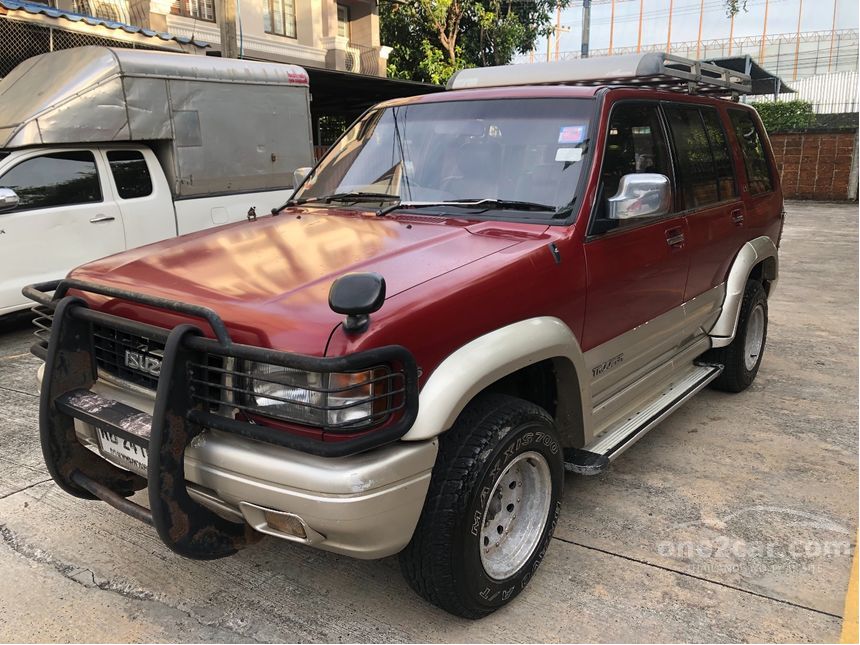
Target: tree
[[432, 39], [734, 7]]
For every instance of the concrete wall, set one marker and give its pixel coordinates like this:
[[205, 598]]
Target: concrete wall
[[817, 164]]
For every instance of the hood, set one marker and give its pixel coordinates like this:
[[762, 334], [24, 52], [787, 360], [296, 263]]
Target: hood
[[269, 279]]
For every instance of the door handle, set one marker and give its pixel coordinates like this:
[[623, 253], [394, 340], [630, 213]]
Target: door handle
[[737, 217], [675, 237], [102, 218]]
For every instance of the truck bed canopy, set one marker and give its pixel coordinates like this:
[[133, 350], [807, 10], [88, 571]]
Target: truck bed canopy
[[226, 125]]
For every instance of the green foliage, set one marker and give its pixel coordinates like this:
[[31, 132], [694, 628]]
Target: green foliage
[[432, 39], [785, 115], [734, 7]]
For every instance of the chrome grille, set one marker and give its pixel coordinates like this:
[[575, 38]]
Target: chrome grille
[[116, 350]]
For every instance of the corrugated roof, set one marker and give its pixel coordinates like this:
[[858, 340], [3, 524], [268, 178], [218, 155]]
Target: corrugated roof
[[35, 8]]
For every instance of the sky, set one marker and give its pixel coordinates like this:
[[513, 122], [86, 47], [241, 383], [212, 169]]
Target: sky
[[816, 15]]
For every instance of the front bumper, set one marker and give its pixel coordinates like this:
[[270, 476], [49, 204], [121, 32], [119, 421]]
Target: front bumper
[[208, 485], [364, 506]]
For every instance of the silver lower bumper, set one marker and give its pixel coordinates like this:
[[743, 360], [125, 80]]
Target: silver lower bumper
[[365, 506]]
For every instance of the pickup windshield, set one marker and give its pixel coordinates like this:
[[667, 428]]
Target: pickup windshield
[[522, 156]]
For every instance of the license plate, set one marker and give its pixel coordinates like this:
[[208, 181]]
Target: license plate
[[123, 452]]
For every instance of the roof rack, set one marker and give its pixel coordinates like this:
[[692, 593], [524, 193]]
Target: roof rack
[[657, 70]]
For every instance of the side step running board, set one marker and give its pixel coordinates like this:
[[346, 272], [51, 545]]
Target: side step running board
[[595, 458]]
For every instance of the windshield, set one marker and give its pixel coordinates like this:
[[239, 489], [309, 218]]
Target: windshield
[[510, 151]]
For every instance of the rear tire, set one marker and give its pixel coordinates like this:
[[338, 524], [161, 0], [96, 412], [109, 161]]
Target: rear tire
[[493, 504], [742, 357]]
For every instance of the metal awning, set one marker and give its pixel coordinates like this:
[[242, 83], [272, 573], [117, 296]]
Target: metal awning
[[763, 82], [335, 93], [35, 9]]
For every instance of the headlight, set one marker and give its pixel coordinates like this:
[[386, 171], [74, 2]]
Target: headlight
[[315, 399]]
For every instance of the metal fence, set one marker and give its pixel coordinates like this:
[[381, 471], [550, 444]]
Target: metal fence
[[789, 56], [828, 93], [21, 40]]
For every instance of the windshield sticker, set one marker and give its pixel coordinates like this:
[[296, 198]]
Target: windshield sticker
[[568, 154], [572, 134]]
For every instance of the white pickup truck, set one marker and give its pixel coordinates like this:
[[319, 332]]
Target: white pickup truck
[[103, 150]]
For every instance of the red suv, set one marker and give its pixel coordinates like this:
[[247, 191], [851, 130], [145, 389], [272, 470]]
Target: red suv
[[470, 294]]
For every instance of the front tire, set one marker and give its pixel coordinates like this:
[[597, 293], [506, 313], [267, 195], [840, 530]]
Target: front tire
[[742, 358], [493, 504]]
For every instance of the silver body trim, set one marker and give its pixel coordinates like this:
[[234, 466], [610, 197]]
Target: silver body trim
[[483, 361], [760, 249], [678, 390], [654, 353]]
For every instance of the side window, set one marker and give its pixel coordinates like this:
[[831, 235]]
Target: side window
[[752, 147], [58, 179], [130, 173], [722, 154], [634, 143], [697, 175]]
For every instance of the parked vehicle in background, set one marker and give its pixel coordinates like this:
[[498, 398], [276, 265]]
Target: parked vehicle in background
[[103, 150], [470, 294]]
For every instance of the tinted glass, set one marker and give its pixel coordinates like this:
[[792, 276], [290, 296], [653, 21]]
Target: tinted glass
[[527, 150], [130, 173], [697, 177], [722, 154], [59, 179], [634, 143], [755, 160]]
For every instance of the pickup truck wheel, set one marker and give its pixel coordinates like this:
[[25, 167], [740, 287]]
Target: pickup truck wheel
[[742, 357], [492, 506]]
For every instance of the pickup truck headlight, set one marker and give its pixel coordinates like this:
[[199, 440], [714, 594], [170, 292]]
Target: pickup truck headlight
[[315, 399]]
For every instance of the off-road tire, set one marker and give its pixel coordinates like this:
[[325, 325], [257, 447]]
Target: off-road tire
[[443, 562], [736, 376]]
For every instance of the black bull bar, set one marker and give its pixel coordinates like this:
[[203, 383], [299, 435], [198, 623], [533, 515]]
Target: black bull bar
[[185, 526]]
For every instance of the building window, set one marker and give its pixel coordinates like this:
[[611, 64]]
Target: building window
[[197, 9], [111, 10], [280, 19], [343, 21]]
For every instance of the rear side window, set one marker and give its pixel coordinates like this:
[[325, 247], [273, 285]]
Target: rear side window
[[696, 170], [755, 160], [722, 154], [58, 179], [130, 173]]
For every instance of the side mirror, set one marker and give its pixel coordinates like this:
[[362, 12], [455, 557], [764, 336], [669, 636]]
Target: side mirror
[[641, 195], [299, 175], [8, 199], [357, 295]]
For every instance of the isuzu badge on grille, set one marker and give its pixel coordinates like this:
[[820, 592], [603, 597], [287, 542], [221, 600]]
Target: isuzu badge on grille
[[142, 363]]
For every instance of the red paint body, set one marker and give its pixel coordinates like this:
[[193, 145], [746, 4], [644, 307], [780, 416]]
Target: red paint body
[[449, 280]]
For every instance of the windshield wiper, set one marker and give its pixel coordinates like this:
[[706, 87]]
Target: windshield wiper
[[354, 196], [483, 204]]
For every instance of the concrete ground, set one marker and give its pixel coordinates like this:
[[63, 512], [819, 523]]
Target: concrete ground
[[735, 520]]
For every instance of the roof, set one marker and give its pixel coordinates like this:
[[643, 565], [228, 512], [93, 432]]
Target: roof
[[763, 82], [42, 9]]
